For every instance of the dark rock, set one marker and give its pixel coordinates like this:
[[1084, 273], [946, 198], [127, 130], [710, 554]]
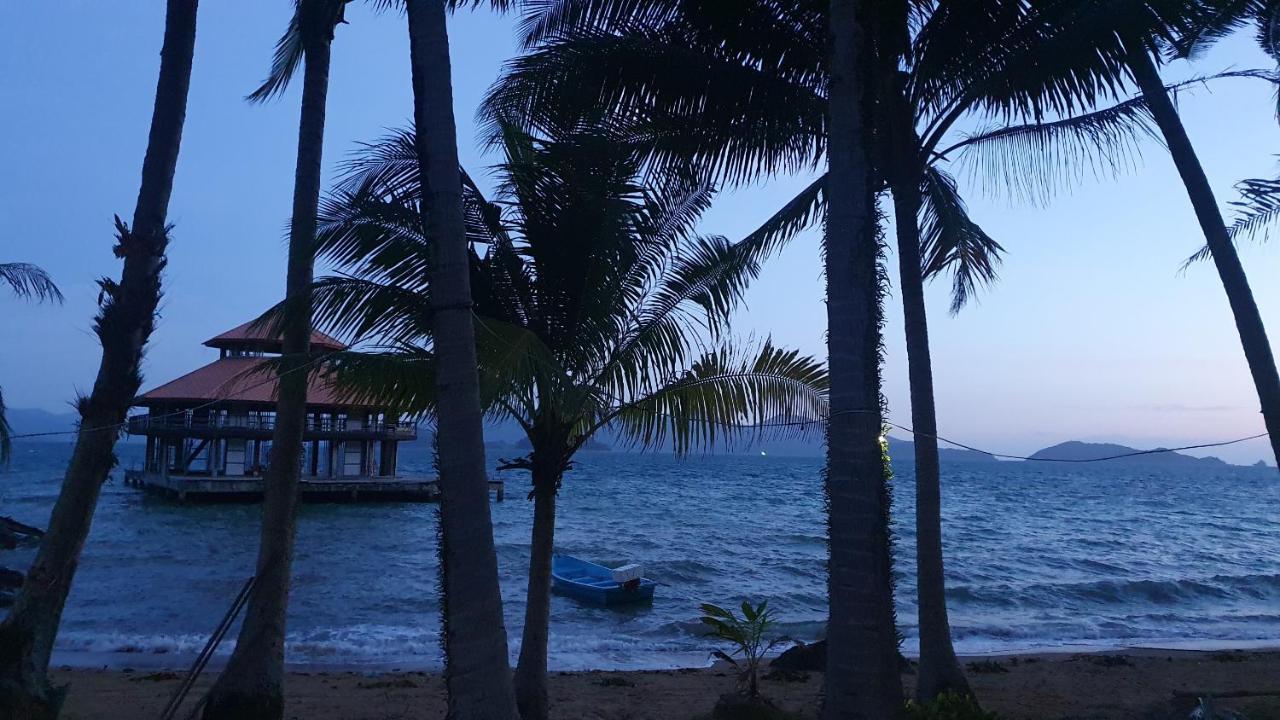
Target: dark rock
[[803, 658], [812, 657]]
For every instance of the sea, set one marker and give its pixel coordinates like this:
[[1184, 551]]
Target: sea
[[1038, 558]]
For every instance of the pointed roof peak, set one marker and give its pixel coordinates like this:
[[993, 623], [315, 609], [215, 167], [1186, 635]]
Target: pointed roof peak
[[256, 336]]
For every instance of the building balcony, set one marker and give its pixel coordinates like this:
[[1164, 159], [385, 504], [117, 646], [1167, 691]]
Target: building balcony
[[257, 427]]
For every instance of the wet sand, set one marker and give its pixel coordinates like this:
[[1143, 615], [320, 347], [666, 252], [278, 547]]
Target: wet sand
[[1133, 684]]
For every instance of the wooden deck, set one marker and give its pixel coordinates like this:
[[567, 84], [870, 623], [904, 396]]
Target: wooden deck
[[203, 488]]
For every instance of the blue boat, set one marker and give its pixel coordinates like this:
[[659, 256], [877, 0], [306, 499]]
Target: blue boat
[[598, 584]]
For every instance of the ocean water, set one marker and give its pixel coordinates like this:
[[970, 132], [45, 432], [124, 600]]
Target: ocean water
[[1037, 558]]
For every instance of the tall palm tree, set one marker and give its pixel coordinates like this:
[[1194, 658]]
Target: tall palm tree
[[477, 672], [861, 679], [30, 283], [1136, 35], [743, 90], [596, 308], [124, 323], [1249, 325], [251, 684]]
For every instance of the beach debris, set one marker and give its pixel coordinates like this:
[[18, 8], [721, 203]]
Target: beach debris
[[614, 681], [397, 682], [789, 676], [1206, 711], [987, 667]]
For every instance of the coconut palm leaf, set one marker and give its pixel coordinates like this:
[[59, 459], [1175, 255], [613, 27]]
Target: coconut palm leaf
[[309, 16], [953, 243], [29, 282], [1259, 208], [688, 103], [729, 393], [1034, 161]]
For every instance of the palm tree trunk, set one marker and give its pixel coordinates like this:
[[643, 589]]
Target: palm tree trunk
[[531, 671], [939, 670], [477, 669], [123, 327], [1253, 334], [251, 687], [862, 679]]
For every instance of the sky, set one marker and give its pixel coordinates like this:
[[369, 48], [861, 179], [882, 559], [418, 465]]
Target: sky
[[1091, 333]]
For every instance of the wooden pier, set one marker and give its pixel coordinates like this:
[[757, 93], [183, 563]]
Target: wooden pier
[[204, 488]]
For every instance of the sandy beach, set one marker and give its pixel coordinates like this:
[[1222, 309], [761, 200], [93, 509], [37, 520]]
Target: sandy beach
[[1136, 684]]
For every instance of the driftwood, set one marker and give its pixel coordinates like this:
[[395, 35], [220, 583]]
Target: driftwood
[[13, 533]]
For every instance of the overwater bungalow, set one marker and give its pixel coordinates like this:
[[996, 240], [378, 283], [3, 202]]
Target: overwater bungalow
[[209, 432]]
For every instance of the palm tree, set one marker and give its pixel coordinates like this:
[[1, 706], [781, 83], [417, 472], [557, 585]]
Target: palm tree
[[1249, 325], [745, 92], [27, 282], [862, 679], [596, 308], [124, 323], [477, 672], [1135, 40], [251, 685]]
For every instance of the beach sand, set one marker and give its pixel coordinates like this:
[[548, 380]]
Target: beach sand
[[1138, 684]]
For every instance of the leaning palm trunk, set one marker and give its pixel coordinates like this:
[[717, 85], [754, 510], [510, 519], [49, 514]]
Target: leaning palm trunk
[[862, 678], [531, 671], [477, 671], [939, 670], [1253, 334], [252, 684], [123, 327]]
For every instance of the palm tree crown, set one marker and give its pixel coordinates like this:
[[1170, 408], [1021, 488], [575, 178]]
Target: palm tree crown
[[597, 305]]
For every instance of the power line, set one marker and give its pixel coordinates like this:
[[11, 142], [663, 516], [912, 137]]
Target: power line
[[809, 422]]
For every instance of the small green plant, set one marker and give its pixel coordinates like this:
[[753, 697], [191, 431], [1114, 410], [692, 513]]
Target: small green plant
[[949, 706], [749, 636]]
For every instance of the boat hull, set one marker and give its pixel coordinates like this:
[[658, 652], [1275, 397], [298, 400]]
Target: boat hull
[[591, 583]]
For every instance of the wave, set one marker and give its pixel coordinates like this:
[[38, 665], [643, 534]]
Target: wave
[[1216, 588]]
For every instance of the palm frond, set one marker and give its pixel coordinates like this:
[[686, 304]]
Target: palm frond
[[1035, 161], [801, 212], [1222, 18], [285, 61], [688, 105], [28, 281], [952, 242], [402, 379], [1259, 208], [727, 394], [362, 310], [1259, 211]]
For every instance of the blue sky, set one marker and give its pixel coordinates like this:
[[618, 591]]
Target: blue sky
[[1091, 333]]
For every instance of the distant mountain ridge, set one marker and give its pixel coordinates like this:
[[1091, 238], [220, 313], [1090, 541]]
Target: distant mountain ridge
[[1077, 450]]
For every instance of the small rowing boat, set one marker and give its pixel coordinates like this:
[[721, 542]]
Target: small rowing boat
[[589, 582]]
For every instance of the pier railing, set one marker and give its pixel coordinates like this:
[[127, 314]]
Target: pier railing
[[142, 424]]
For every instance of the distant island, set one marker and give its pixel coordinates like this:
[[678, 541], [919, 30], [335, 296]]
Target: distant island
[[1076, 451]]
